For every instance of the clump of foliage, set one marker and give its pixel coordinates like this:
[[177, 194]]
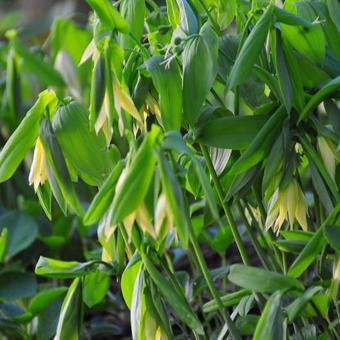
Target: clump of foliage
[[186, 166]]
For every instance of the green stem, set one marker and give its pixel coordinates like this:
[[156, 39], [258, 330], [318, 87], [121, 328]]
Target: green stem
[[213, 21], [226, 207], [205, 271]]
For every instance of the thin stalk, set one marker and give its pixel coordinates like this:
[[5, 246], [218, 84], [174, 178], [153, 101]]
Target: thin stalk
[[205, 271], [213, 21], [226, 208]]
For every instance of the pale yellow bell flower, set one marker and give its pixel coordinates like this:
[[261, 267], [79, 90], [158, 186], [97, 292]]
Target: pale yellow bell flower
[[289, 203], [38, 172], [124, 101], [106, 236]]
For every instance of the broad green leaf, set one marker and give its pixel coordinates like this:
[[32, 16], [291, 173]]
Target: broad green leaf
[[64, 33], [137, 178], [70, 315], [22, 231], [303, 38], [261, 280], [133, 12], [166, 77], [17, 285], [235, 132], [57, 164], [109, 15], [317, 98], [137, 306], [96, 285], [45, 72], [103, 198], [128, 279], [188, 19], [258, 149], [175, 199], [199, 71], [334, 12], [279, 60], [44, 298], [270, 325], [23, 138], [227, 300], [299, 303], [173, 13], [332, 236], [63, 269], [313, 247], [176, 301], [250, 50], [44, 194], [83, 148], [290, 18]]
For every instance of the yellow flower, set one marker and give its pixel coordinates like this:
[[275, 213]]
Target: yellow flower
[[288, 203], [38, 172]]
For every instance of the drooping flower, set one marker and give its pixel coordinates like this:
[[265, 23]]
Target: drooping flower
[[38, 172], [289, 203]]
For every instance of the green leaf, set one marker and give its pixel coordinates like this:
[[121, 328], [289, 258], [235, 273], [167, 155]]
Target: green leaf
[[69, 323], [234, 132], [303, 38], [3, 243], [188, 19], [57, 163], [85, 149], [17, 285], [317, 98], [109, 15], [128, 279], [290, 18], [133, 12], [262, 142], [22, 231], [313, 247], [173, 13], [282, 72], [199, 71], [261, 280], [63, 269], [334, 115], [270, 325], [176, 301], [96, 285], [23, 138], [166, 77], [44, 298], [227, 300], [104, 196], [250, 50], [334, 12], [137, 178], [332, 236], [298, 305], [45, 72], [175, 199]]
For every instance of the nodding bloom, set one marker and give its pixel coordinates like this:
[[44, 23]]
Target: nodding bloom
[[38, 172], [289, 203]]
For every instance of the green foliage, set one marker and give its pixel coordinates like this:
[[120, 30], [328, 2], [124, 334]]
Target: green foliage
[[176, 149]]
